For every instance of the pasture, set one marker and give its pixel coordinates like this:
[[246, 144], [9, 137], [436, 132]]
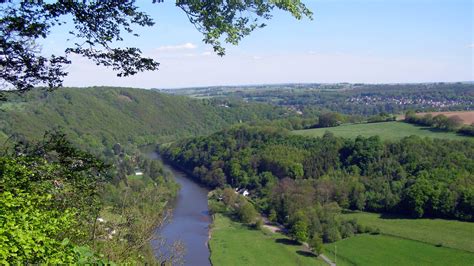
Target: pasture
[[447, 233], [386, 131], [388, 250], [236, 244]]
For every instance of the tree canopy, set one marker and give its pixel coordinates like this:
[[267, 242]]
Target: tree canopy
[[98, 27]]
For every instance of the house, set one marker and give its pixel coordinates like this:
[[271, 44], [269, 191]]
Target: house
[[138, 172]]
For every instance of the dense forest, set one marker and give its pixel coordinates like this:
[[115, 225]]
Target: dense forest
[[289, 176], [97, 118]]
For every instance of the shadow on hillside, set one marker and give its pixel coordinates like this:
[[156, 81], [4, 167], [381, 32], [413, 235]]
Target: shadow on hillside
[[287, 241], [439, 130], [306, 253], [389, 216], [435, 130]]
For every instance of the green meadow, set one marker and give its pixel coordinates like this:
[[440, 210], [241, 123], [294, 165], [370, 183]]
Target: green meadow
[[447, 233], [236, 244], [386, 130], [388, 250]]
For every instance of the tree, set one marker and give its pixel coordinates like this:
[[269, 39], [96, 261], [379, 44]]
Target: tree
[[316, 244], [229, 197], [440, 121], [273, 216], [418, 196], [453, 122], [247, 213], [328, 120], [25, 23], [300, 231]]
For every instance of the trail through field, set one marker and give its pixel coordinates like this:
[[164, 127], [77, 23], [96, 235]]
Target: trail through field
[[327, 260]]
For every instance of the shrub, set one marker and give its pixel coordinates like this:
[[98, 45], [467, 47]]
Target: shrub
[[258, 224], [316, 244], [247, 213]]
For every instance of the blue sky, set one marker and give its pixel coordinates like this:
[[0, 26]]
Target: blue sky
[[373, 41]]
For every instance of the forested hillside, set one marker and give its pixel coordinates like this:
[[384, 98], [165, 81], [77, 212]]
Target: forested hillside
[[97, 118], [299, 180]]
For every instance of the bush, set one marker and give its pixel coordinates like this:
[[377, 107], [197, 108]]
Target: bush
[[375, 231], [467, 130], [316, 244], [216, 207], [258, 224], [331, 234], [247, 213], [273, 216]]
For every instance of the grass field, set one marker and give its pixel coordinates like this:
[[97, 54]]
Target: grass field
[[449, 233], [386, 130], [134, 177], [387, 250], [235, 244]]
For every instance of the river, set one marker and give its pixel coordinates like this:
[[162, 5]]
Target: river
[[191, 219]]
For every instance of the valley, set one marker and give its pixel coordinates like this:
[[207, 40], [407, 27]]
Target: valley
[[254, 133], [259, 150]]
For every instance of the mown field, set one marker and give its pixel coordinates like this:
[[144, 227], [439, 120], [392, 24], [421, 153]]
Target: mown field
[[448, 233], [387, 250], [386, 130], [235, 244]]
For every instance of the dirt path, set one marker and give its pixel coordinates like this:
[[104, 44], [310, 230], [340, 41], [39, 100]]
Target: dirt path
[[279, 228], [272, 227], [327, 260]]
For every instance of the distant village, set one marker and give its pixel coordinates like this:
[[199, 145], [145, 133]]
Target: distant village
[[375, 100]]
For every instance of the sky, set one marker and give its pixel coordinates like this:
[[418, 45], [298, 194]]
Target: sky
[[369, 41]]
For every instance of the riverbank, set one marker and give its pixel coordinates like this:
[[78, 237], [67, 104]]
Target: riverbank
[[190, 221]]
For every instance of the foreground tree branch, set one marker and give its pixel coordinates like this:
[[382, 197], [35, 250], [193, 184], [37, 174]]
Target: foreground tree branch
[[97, 25]]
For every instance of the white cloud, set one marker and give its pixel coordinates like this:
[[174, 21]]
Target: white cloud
[[184, 46], [471, 45], [206, 53]]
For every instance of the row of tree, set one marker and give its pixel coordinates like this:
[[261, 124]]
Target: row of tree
[[452, 123]]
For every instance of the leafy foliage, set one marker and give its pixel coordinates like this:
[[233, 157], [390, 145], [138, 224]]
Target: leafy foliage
[[48, 196], [233, 20], [27, 220], [22, 23]]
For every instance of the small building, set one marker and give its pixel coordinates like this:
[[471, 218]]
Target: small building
[[138, 172]]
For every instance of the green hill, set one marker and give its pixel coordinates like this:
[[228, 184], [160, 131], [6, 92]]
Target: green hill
[[99, 117]]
